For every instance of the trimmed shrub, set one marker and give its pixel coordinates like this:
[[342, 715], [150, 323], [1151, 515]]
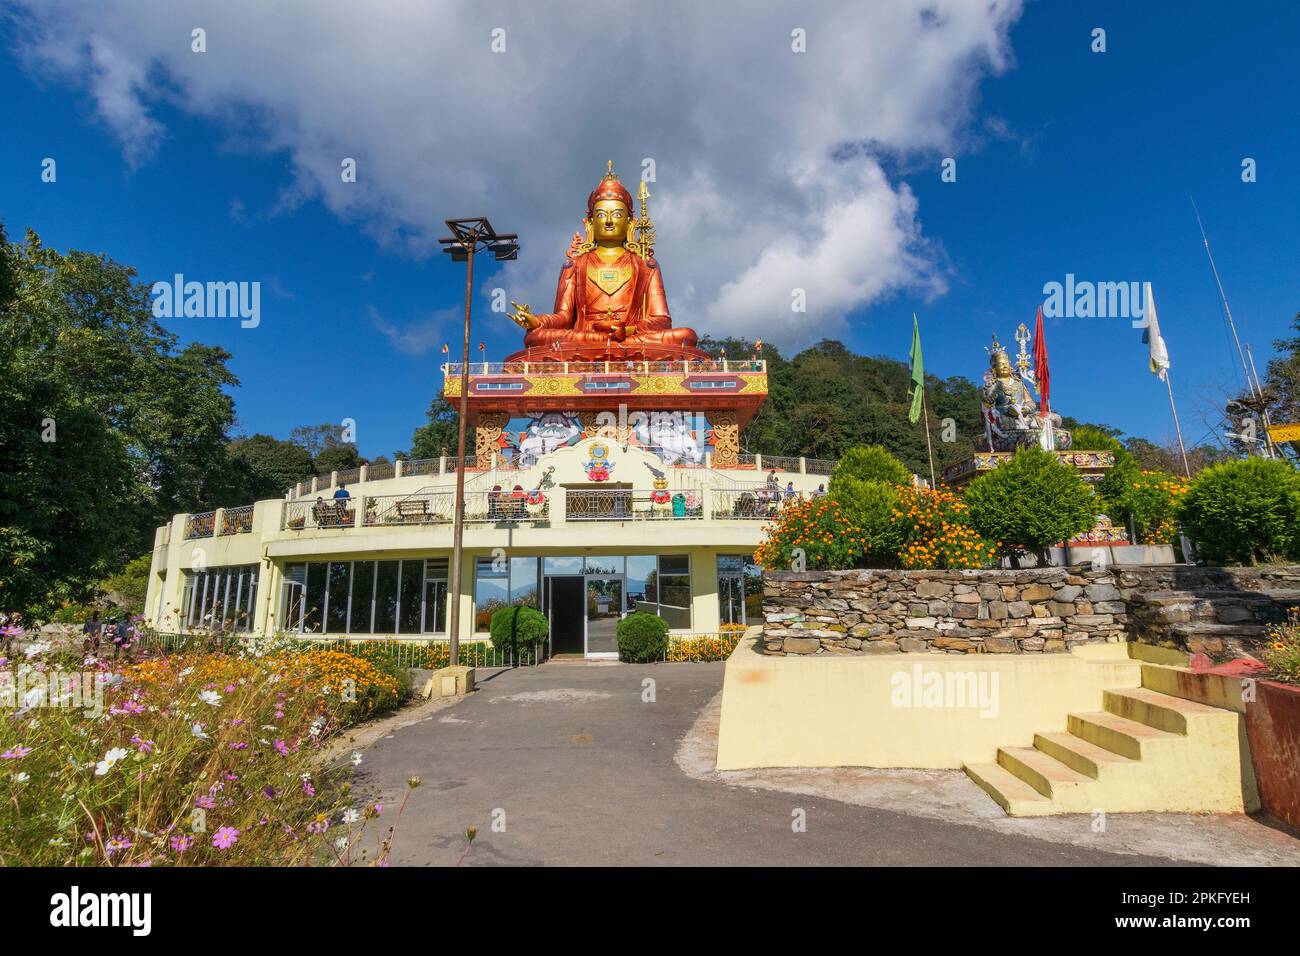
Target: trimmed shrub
[[518, 628], [642, 638], [871, 509], [1030, 503], [870, 463], [1151, 500], [1245, 511]]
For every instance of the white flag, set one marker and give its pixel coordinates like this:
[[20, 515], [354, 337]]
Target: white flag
[[1152, 337]]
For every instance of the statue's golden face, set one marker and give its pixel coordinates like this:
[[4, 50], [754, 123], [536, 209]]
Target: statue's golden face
[[1001, 364], [609, 221]]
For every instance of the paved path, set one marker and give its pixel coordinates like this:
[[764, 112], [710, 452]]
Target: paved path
[[584, 771]]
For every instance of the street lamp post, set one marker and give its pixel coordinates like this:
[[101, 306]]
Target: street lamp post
[[468, 236]]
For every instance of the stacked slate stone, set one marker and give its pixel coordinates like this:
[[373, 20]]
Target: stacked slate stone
[[957, 612]]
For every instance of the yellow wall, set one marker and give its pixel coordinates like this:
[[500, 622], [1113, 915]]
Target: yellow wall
[[840, 710]]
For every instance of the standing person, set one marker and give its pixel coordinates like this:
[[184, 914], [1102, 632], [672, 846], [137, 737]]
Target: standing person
[[789, 491], [341, 496], [91, 629]]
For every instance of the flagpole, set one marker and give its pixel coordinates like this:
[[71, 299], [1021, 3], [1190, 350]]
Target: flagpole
[[1178, 429], [928, 447]]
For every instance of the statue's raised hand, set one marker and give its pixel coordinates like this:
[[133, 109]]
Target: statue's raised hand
[[523, 317]]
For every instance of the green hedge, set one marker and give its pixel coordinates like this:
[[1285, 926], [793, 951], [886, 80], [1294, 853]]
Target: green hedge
[[642, 638], [518, 628], [1245, 511]]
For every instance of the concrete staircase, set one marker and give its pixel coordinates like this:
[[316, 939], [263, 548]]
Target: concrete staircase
[[1206, 620], [1144, 751]]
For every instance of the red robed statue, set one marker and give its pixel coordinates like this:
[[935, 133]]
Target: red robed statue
[[610, 302]]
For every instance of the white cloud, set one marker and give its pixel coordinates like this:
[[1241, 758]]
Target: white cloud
[[414, 338], [756, 192]]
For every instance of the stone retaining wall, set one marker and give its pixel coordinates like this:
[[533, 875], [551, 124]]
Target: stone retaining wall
[[991, 611], [959, 612]]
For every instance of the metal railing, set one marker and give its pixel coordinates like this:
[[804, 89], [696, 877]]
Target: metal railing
[[200, 525], [380, 471], [758, 501], [601, 368], [347, 475], [419, 466], [320, 513], [237, 520], [819, 466], [630, 504]]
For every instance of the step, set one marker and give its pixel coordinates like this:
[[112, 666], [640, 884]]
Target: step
[[1082, 755], [1247, 632], [1011, 793], [1162, 711], [1117, 734], [1040, 770]]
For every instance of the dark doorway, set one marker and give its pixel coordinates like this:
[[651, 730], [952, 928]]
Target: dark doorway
[[568, 614]]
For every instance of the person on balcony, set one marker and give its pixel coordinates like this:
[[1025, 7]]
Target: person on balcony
[[341, 496]]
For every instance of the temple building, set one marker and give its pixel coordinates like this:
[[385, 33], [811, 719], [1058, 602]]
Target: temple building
[[606, 476]]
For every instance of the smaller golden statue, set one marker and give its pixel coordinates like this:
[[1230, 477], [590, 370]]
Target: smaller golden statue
[[1011, 415]]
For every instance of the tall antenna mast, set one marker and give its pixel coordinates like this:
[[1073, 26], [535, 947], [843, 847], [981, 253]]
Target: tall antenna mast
[[1252, 383]]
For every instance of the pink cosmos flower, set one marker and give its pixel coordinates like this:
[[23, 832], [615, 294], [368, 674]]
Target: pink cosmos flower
[[15, 753], [225, 838], [116, 844], [282, 747], [207, 803], [239, 745], [308, 789], [144, 746], [181, 843]]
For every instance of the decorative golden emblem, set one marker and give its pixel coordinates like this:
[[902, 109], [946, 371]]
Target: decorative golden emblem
[[610, 278]]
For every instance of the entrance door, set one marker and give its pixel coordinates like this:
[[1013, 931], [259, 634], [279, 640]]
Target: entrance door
[[604, 611], [564, 603]]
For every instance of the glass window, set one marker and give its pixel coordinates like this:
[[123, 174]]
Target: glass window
[[435, 606], [250, 596], [363, 593], [740, 589], [386, 597], [675, 590], [523, 581], [642, 577], [295, 576], [605, 564], [340, 581], [491, 590], [562, 565], [313, 615], [411, 596]]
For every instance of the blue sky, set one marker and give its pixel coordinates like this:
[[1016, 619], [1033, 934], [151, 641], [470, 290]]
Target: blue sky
[[1068, 161]]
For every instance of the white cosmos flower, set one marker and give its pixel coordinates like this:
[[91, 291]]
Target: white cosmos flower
[[210, 697], [351, 816], [110, 758], [197, 731], [356, 758], [21, 778]]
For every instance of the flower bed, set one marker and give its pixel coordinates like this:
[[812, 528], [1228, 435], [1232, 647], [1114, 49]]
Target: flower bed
[[196, 758]]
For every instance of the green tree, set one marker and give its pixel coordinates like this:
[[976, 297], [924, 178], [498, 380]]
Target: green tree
[[273, 464], [139, 427], [1245, 511], [438, 433], [1030, 503]]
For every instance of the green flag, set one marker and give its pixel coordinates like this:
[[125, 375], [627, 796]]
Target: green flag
[[918, 373]]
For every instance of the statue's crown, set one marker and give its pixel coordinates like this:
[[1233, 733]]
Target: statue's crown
[[995, 349]]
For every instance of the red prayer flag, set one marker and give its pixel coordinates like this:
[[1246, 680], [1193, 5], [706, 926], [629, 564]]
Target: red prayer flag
[[1041, 374]]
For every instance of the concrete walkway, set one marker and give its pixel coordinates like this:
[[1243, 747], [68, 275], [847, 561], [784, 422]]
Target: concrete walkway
[[583, 767]]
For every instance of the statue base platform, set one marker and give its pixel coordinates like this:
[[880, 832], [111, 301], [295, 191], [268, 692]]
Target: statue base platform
[[1092, 465]]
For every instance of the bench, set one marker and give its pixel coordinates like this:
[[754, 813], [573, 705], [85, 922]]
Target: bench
[[416, 509]]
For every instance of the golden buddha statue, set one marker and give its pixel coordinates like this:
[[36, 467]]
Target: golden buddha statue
[[610, 300], [1011, 414]]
